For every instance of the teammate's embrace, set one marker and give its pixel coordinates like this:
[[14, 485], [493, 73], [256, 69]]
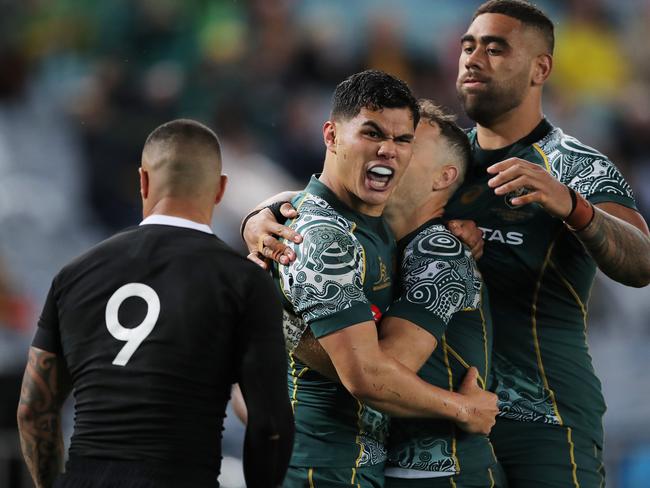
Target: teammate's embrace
[[150, 328], [338, 288]]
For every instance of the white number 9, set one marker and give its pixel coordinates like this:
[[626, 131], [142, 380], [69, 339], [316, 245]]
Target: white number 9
[[136, 335]]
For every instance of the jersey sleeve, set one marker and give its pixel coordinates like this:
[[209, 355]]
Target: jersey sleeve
[[325, 283], [438, 278], [592, 174], [47, 335]]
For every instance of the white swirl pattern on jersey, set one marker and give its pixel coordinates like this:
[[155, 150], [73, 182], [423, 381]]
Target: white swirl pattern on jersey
[[327, 275], [583, 168], [439, 273]]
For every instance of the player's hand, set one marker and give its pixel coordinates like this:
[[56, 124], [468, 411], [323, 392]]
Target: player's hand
[[481, 405], [530, 183], [261, 234], [468, 232]]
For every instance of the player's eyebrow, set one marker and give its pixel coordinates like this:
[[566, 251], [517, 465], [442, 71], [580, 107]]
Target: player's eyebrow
[[485, 40], [495, 39], [467, 38], [402, 137], [374, 125]]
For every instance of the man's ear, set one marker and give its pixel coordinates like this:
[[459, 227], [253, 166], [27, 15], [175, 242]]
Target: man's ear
[[542, 69], [144, 183], [222, 189], [447, 176], [329, 135]]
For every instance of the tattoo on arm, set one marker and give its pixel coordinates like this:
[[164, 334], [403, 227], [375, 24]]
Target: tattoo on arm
[[620, 250], [46, 385]]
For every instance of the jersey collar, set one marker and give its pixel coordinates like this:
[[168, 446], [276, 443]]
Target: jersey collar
[[158, 219], [486, 157]]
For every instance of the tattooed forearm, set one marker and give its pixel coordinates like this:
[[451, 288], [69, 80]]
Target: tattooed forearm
[[44, 389], [620, 250]]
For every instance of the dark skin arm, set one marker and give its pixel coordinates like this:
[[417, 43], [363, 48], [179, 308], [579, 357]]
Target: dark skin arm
[[263, 382], [617, 238], [262, 231], [619, 241], [46, 385]]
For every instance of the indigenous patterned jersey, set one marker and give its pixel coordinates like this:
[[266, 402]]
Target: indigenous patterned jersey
[[441, 291], [342, 276], [539, 276]]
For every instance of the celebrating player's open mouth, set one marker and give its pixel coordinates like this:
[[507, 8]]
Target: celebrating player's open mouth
[[379, 177]]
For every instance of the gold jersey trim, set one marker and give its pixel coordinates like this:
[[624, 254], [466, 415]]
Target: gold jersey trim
[[538, 350]]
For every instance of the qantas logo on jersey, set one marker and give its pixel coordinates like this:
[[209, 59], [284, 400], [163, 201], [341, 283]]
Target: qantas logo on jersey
[[496, 235]]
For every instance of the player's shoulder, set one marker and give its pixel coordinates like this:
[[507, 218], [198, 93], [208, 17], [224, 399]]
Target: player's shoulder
[[111, 246], [569, 159], [314, 211], [439, 271], [584, 168], [557, 142], [434, 241]]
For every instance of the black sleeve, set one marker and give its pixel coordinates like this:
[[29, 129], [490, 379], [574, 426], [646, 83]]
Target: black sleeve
[[263, 382], [47, 333]]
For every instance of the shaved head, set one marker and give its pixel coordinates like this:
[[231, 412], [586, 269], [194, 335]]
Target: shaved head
[[183, 159]]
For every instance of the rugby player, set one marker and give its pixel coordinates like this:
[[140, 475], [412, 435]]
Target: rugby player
[[150, 328], [552, 210], [440, 323], [339, 286]]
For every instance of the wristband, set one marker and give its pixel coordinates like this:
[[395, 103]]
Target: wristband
[[275, 209], [246, 219], [582, 212], [574, 200]]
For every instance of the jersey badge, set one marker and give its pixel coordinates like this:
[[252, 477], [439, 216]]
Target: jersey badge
[[384, 278]]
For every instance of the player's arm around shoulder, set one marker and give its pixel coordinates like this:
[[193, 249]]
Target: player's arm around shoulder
[[262, 230], [46, 385]]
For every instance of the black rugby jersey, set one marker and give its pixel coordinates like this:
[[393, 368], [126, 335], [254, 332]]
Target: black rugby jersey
[[152, 324]]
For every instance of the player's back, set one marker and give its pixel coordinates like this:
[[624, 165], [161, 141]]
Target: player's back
[[148, 327]]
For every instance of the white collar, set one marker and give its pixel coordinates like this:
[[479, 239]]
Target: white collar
[[176, 222]]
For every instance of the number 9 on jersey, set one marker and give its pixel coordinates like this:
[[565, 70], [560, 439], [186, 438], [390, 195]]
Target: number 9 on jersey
[[133, 337]]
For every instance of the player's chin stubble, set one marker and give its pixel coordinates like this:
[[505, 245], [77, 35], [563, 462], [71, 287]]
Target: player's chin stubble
[[486, 107]]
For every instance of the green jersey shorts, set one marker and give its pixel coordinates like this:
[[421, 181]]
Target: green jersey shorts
[[365, 477], [547, 456]]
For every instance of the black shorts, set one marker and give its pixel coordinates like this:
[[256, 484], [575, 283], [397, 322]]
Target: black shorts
[[83, 472]]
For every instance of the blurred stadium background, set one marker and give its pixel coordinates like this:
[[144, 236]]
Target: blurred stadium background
[[82, 83]]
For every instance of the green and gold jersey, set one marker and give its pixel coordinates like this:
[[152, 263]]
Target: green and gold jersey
[[441, 291], [342, 276], [539, 277]]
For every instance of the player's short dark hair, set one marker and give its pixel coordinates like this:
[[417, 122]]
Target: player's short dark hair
[[374, 90], [455, 136], [525, 12], [185, 130]]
